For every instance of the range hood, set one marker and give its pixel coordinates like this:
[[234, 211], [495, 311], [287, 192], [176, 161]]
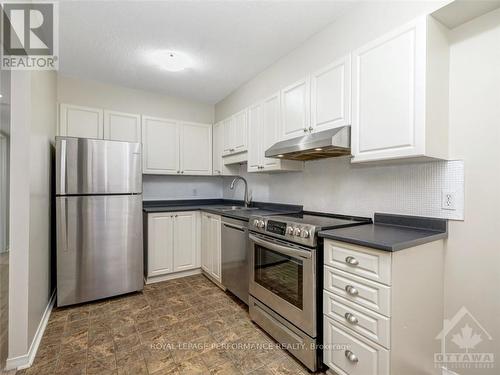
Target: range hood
[[325, 144]]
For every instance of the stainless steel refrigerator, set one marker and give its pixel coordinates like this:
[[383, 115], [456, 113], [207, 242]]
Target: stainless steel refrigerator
[[99, 219]]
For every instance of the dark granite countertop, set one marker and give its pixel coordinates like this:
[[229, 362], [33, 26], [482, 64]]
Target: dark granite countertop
[[392, 232], [216, 206]]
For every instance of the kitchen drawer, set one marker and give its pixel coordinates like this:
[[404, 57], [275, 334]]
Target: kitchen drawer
[[371, 325], [371, 264], [367, 358], [367, 293]]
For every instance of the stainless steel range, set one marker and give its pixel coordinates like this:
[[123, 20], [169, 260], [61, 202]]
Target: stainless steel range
[[286, 277]]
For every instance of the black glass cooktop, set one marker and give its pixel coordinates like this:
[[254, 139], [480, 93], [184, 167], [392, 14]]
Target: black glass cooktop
[[320, 221]]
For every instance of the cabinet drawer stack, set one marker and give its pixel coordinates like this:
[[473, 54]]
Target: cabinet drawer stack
[[375, 307], [356, 307]]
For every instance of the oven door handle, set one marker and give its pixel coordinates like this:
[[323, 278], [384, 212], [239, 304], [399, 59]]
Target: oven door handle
[[296, 253]]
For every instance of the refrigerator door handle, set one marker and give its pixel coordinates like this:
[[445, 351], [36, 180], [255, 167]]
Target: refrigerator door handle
[[63, 214], [62, 176]]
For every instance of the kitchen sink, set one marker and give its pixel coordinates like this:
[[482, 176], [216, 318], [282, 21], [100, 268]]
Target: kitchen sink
[[238, 208]]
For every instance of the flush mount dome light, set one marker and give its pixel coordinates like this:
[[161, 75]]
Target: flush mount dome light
[[171, 60]]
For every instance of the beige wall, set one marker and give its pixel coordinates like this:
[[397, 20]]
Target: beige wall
[[32, 136], [100, 95], [42, 134], [472, 269]]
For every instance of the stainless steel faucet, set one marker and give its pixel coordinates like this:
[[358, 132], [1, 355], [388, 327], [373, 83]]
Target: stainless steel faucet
[[247, 201]]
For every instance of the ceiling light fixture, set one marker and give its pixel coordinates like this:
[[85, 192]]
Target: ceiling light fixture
[[172, 61]]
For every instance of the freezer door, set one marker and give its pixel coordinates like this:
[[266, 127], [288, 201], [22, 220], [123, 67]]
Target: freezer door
[[99, 247], [95, 166]]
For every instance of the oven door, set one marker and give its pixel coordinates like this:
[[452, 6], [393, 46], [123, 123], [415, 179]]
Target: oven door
[[283, 277]]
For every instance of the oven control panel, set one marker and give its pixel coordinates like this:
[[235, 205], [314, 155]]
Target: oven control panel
[[276, 227], [295, 232]]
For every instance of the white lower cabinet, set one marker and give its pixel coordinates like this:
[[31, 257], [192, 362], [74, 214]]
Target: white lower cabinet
[[172, 243], [352, 354], [382, 310], [211, 245]]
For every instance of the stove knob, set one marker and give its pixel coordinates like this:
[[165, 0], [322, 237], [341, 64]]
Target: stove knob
[[255, 222], [304, 233], [289, 230], [296, 231], [261, 224]]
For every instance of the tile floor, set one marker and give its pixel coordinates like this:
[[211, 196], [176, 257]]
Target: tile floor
[[183, 326]]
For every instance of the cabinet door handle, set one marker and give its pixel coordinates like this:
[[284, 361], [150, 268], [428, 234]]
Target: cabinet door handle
[[351, 318], [351, 261], [182, 172], [311, 128], [305, 130], [351, 290], [353, 358], [178, 171]]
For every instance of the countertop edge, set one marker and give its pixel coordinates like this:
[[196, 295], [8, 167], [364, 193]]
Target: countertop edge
[[379, 246]]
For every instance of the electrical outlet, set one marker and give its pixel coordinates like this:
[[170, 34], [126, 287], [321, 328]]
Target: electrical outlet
[[448, 200]]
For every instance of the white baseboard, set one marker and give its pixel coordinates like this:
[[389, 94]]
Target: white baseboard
[[171, 276], [26, 360]]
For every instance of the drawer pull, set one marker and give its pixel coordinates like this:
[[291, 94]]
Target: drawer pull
[[351, 356], [351, 261], [351, 290], [351, 318]]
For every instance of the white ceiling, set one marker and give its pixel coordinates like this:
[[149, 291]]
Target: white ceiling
[[230, 41]]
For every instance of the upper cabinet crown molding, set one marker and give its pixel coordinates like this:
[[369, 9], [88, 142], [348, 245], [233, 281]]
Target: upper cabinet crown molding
[[400, 94], [121, 126], [80, 121], [331, 95]]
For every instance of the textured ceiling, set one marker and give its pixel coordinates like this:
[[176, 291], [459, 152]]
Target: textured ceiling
[[230, 42]]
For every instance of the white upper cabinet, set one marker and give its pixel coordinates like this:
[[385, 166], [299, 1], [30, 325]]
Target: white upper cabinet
[[255, 135], [400, 94], [218, 169], [217, 148], [78, 121], [331, 96], [239, 131], [196, 149], [172, 147], [227, 136], [160, 139], [263, 132], [271, 128], [295, 100], [235, 133], [120, 126]]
